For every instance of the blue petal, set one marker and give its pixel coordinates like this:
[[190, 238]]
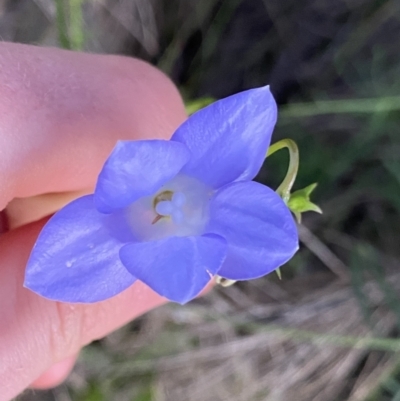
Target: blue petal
[[136, 169], [229, 139], [177, 268], [75, 259], [258, 227]]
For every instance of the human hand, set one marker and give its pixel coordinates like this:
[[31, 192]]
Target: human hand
[[61, 113]]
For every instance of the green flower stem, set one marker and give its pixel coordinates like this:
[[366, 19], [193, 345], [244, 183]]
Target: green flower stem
[[294, 158]]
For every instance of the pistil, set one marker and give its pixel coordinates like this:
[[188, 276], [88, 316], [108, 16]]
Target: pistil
[[169, 204]]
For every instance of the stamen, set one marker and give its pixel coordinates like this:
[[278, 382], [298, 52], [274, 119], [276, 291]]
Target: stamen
[[162, 205], [180, 208], [169, 204], [157, 218], [163, 196]]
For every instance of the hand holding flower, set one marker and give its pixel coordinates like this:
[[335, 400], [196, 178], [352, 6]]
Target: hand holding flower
[[171, 214], [61, 115]]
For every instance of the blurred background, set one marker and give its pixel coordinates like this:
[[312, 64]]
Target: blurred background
[[329, 330]]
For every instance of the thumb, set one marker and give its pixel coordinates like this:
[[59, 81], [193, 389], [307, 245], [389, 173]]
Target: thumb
[[37, 333]]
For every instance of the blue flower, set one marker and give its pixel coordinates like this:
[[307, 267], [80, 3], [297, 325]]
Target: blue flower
[[172, 214]]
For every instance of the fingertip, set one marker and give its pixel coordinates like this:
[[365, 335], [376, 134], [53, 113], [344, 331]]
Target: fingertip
[[55, 375], [74, 111]]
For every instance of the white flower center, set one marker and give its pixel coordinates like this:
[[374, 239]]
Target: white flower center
[[172, 208], [180, 208]]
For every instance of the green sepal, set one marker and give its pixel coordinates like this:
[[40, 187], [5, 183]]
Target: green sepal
[[299, 202], [278, 273]]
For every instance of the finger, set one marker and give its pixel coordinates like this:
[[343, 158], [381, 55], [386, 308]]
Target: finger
[[62, 113], [55, 375], [37, 333], [3, 223], [22, 211]]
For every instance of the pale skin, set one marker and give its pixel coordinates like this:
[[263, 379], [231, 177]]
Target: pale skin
[[60, 115]]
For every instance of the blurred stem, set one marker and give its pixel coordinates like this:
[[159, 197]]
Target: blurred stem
[[365, 342], [70, 24], [217, 27], [342, 106], [294, 159], [76, 24], [62, 27]]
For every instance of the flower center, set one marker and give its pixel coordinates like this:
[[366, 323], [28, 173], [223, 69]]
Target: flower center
[[169, 204], [180, 208]]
